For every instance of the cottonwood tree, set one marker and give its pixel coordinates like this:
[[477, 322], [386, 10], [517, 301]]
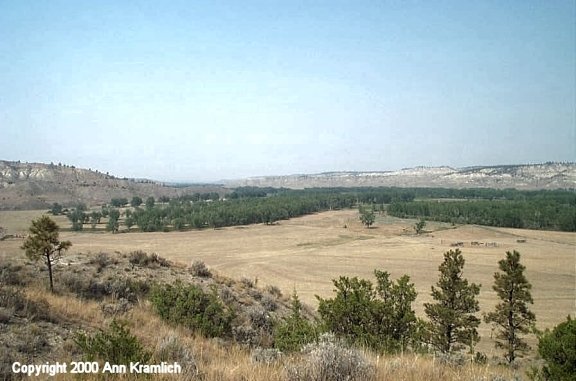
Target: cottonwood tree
[[367, 217], [452, 320], [512, 316], [43, 243], [113, 217], [419, 226]]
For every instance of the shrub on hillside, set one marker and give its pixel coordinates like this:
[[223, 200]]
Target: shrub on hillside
[[92, 288], [190, 306], [171, 349], [142, 259], [558, 348], [331, 360], [115, 345], [6, 361], [199, 269], [265, 355], [102, 260], [12, 275], [295, 330], [14, 301], [274, 290], [378, 316]]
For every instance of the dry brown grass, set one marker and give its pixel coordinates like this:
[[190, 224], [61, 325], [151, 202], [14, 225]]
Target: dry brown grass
[[215, 359], [306, 253]]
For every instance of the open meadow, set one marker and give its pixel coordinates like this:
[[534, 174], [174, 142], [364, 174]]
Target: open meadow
[[306, 253]]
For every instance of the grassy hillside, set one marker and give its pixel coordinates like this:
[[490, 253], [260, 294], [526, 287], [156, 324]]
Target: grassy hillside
[[94, 289], [37, 186]]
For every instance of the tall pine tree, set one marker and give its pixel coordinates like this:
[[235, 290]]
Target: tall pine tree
[[452, 319], [512, 316]]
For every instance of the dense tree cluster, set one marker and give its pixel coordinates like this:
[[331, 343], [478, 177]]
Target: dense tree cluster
[[549, 211], [184, 214]]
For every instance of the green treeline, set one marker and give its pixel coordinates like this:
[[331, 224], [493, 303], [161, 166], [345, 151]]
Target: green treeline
[[547, 212], [550, 210], [184, 214]]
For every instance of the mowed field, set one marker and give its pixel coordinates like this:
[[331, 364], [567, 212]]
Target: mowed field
[[305, 254]]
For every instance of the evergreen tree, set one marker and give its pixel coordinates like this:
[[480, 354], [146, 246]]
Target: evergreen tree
[[558, 349], [295, 330], [43, 243], [379, 317], [452, 319], [397, 319], [512, 316]]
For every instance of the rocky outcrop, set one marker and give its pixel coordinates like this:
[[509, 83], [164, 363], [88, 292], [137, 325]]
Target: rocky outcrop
[[532, 176], [36, 185]]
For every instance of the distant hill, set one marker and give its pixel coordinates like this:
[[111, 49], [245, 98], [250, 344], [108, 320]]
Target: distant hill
[[526, 177], [36, 186]]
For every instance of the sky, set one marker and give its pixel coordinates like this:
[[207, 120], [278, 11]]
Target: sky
[[201, 91]]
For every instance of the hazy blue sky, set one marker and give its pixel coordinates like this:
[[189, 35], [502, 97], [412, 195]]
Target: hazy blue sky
[[206, 90]]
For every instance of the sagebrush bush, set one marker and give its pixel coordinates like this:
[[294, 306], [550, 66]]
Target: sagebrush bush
[[92, 288], [12, 275], [274, 290], [102, 260], [454, 359], [247, 282], [6, 361], [16, 302], [190, 306], [331, 360], [246, 335], [260, 319], [227, 295], [269, 303], [199, 269], [32, 339], [141, 258], [171, 349], [14, 298], [265, 355]]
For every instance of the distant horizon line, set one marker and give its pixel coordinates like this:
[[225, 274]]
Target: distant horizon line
[[224, 180]]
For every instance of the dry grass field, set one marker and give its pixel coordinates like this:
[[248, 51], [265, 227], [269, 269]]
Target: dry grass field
[[306, 253]]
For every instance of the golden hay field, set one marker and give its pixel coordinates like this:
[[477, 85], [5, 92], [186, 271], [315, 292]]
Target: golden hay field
[[306, 253]]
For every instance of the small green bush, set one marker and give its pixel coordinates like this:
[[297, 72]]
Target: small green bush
[[295, 330], [190, 306], [558, 348], [115, 345]]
